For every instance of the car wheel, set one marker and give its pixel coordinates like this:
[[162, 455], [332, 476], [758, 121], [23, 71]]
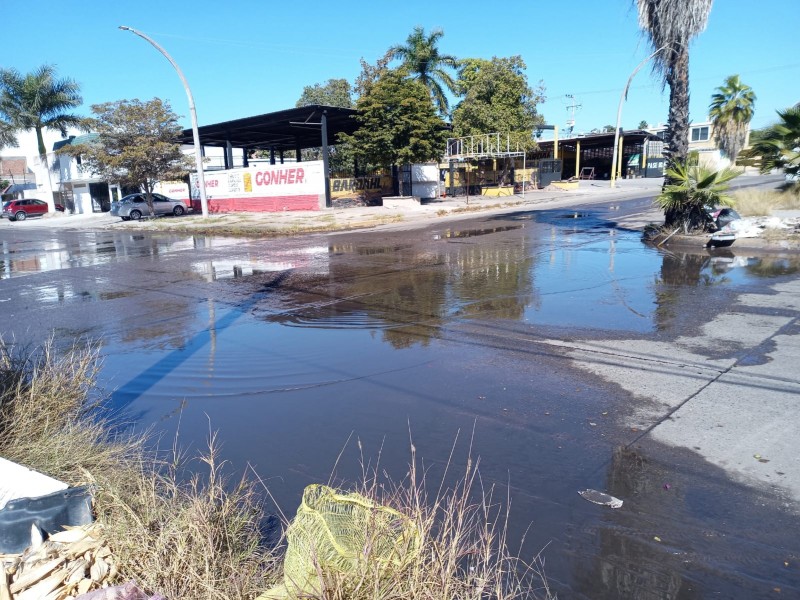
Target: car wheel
[[20, 216], [178, 211], [135, 215]]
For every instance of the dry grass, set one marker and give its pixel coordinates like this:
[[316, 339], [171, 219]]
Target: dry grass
[[759, 202], [182, 529], [463, 551], [48, 420], [195, 538]]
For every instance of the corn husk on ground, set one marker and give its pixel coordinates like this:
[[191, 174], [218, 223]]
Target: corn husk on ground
[[68, 564]]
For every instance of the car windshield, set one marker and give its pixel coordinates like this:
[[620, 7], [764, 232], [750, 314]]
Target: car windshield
[[6, 204]]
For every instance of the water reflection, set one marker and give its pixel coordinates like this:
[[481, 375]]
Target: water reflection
[[410, 295], [26, 257]]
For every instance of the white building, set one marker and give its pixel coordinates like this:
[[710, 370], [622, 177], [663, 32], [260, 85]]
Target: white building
[[79, 191], [702, 144]]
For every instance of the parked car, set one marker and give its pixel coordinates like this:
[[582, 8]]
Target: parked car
[[134, 207], [19, 210]]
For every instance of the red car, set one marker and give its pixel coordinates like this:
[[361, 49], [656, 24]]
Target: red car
[[19, 210]]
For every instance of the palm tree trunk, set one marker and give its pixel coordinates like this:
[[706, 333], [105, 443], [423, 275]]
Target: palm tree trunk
[[677, 146], [51, 204]]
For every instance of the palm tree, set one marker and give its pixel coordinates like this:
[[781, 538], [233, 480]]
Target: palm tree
[[670, 25], [779, 145], [7, 134], [731, 111], [691, 190], [39, 101], [422, 59]]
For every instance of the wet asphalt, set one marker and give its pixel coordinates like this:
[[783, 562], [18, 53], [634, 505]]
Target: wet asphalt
[[565, 352]]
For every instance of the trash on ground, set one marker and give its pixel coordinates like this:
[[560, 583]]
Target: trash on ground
[[17, 481], [600, 498], [70, 563], [329, 535], [24, 521], [129, 591]]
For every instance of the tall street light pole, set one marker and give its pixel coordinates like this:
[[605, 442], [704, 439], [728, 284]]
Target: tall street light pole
[[615, 150], [198, 158]]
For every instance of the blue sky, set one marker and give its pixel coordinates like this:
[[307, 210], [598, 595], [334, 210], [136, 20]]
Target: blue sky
[[247, 57]]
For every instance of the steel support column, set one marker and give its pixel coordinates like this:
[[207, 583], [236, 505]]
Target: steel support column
[[228, 155], [325, 159]]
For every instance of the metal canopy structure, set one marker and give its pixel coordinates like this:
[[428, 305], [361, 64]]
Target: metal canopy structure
[[488, 145], [287, 130], [597, 150]]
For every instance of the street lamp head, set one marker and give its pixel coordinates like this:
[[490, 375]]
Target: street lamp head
[[124, 28]]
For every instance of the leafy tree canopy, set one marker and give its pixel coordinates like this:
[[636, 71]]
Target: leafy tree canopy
[[643, 124], [135, 144], [398, 123], [334, 92], [497, 98], [370, 74]]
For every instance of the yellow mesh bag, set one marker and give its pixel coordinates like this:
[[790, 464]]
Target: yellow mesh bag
[[343, 535]]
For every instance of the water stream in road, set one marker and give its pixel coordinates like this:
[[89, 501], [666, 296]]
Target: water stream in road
[[290, 348]]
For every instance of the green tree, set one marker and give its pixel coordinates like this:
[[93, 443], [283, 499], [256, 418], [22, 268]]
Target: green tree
[[691, 189], [731, 111], [38, 101], [497, 98], [397, 123], [420, 56], [643, 124], [669, 26], [370, 74], [135, 145], [8, 135], [778, 146], [334, 92]]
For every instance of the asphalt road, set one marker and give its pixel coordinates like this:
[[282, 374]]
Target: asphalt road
[[581, 358]]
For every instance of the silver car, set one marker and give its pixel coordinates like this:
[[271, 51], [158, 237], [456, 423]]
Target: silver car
[[134, 207]]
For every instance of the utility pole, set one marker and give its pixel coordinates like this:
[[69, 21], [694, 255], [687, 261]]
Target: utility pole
[[572, 107]]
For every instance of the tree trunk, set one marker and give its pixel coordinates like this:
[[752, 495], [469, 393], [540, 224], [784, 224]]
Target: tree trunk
[[148, 196], [51, 204], [677, 134]]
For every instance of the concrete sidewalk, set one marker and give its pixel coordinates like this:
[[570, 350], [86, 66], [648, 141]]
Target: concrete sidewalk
[[740, 412]]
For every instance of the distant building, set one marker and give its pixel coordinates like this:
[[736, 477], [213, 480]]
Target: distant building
[[703, 144], [79, 190], [15, 171]]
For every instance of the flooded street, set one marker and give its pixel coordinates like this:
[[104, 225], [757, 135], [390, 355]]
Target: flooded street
[[470, 333]]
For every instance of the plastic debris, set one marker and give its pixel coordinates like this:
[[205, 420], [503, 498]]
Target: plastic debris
[[129, 591], [600, 498]]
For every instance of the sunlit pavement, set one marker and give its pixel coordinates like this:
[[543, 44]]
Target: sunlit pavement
[[355, 217]]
